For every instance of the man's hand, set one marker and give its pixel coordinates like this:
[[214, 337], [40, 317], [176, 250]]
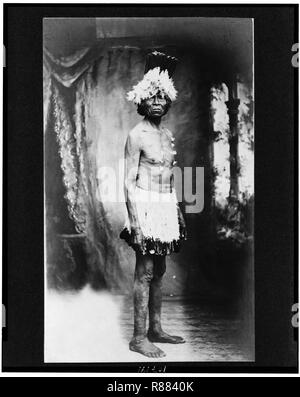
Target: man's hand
[[138, 238]]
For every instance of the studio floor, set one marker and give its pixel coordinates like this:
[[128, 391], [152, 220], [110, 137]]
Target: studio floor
[[89, 326]]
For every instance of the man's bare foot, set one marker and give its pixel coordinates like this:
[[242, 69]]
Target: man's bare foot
[[163, 337], [146, 348]]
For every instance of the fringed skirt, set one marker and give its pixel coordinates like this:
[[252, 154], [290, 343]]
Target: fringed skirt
[[159, 222]]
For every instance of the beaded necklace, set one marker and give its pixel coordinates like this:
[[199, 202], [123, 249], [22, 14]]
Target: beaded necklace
[[162, 161]]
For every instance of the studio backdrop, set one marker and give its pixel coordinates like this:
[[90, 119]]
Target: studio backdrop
[[89, 66]]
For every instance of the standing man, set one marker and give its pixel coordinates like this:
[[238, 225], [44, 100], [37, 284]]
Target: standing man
[[155, 225]]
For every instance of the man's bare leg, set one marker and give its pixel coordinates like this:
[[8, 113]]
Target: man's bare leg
[[142, 279], [155, 332]]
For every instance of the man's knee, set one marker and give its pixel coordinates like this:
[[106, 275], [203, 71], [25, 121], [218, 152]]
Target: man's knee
[[146, 276], [144, 270]]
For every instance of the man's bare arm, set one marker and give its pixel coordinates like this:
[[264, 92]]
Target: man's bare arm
[[132, 157]]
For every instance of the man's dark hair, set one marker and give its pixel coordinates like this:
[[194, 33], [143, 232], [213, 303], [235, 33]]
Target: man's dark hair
[[142, 107]]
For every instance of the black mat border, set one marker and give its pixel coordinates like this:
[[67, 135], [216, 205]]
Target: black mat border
[[23, 183]]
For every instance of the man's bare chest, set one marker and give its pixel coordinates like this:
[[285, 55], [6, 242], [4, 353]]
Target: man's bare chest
[[157, 147]]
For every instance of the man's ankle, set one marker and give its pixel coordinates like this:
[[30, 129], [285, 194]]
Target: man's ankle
[[155, 329], [138, 338]]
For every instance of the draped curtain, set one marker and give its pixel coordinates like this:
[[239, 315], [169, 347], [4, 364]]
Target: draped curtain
[[67, 87]]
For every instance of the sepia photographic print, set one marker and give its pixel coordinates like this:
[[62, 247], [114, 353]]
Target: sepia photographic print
[[149, 150]]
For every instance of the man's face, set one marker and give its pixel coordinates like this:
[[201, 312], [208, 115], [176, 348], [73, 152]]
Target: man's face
[[156, 105]]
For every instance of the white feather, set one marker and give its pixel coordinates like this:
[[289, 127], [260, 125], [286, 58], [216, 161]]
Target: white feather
[[154, 81]]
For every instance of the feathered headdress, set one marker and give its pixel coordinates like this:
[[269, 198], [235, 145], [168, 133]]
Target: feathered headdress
[[158, 71]]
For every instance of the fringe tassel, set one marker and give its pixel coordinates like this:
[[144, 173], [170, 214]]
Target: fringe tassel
[[152, 246]]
